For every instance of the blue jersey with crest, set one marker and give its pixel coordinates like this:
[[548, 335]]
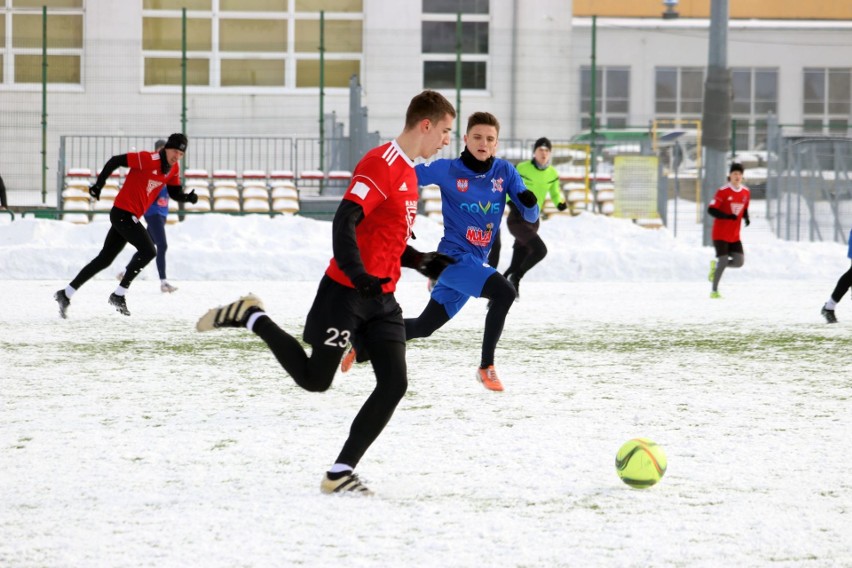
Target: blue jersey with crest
[[472, 204]]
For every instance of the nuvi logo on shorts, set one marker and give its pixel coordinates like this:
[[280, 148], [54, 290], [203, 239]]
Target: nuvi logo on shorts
[[480, 208], [478, 236]]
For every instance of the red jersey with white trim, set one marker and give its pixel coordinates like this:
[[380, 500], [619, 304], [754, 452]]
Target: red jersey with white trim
[[732, 201], [144, 181], [385, 186]]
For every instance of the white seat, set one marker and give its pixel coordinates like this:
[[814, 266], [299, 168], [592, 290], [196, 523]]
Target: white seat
[[228, 192], [253, 192], [605, 195], [80, 209], [109, 193], [226, 204], [75, 193], [276, 183], [103, 205], [253, 205], [285, 205], [202, 205], [285, 191]]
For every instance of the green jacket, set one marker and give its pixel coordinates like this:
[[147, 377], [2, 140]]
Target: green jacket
[[541, 182]]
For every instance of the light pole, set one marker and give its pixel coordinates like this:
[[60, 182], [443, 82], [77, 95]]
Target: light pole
[[716, 116]]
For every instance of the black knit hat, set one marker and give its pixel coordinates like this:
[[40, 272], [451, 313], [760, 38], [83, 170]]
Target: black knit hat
[[177, 141], [542, 142], [736, 167]]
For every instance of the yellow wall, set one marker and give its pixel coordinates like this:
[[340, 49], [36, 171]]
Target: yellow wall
[[738, 9]]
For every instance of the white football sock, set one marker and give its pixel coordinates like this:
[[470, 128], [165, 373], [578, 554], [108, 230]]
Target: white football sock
[[69, 291], [830, 304], [120, 291]]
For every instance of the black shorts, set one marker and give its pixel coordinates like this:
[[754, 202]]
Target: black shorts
[[339, 312], [724, 248], [521, 229]]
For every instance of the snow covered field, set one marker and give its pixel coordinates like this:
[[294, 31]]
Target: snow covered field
[[139, 442]]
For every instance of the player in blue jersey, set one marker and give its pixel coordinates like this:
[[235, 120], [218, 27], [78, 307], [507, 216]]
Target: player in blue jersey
[[473, 194]]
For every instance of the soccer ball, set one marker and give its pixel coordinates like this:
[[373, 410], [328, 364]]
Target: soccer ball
[[640, 463]]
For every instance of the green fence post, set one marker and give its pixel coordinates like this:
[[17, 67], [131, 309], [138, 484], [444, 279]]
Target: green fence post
[[44, 104]]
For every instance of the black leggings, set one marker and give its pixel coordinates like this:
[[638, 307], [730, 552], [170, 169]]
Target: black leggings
[[502, 296], [157, 230], [124, 228], [843, 284], [526, 255], [316, 372]]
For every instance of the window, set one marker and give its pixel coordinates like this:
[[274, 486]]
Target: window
[[827, 100], [440, 36], [755, 94], [255, 44], [679, 92], [612, 93], [21, 61]]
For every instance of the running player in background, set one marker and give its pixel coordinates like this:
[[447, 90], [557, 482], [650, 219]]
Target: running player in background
[[843, 284], [155, 220], [528, 250], [728, 208], [149, 172], [370, 232]]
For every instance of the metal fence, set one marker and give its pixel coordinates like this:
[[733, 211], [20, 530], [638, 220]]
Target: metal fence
[[809, 189]]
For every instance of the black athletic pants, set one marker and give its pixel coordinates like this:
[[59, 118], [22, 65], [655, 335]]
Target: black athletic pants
[[316, 372], [843, 284], [125, 228], [528, 249], [502, 296]]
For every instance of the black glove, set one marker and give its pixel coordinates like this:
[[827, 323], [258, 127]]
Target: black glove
[[369, 286], [748, 221], [191, 197], [562, 206], [432, 264], [730, 217], [527, 198], [95, 191]]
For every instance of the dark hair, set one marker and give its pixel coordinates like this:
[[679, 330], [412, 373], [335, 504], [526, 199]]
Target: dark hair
[[736, 167], [485, 118], [428, 105], [159, 144]]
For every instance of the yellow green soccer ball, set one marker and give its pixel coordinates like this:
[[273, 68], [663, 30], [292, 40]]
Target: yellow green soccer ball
[[640, 463]]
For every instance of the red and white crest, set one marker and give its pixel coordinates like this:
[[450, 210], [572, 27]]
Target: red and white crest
[[461, 184]]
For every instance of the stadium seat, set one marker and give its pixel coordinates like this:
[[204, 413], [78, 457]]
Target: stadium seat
[[287, 205], [285, 191]]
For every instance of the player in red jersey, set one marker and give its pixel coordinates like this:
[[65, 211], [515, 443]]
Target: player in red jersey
[[370, 232], [728, 208], [149, 172]]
